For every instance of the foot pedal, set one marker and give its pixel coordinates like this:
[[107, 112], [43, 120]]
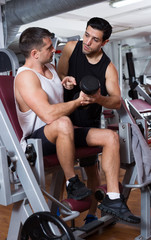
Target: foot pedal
[[101, 192], [78, 205]]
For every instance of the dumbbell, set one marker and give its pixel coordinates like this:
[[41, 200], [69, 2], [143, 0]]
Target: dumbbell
[[89, 85]]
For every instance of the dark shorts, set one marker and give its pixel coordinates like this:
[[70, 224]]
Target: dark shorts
[[50, 148]]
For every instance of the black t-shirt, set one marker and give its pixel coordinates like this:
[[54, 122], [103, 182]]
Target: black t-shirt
[[78, 68]]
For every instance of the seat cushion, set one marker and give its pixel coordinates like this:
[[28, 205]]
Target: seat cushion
[[52, 160]]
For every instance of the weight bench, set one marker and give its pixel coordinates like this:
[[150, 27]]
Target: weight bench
[[142, 109]]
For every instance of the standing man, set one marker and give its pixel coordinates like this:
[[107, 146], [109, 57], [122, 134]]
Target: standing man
[[82, 58], [87, 58]]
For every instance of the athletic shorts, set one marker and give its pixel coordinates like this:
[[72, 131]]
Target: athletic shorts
[[50, 148]]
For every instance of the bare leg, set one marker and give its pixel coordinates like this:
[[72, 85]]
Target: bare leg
[[109, 140], [61, 133]]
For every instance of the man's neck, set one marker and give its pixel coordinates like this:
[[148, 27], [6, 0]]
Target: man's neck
[[40, 68], [37, 67], [94, 58]]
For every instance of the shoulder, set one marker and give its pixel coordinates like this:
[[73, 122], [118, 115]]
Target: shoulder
[[111, 67], [111, 72], [25, 72], [71, 44], [69, 47], [25, 76]]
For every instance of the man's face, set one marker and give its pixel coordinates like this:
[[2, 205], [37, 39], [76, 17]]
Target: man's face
[[92, 41], [47, 51]]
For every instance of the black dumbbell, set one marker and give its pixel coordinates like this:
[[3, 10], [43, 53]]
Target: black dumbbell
[[89, 85]]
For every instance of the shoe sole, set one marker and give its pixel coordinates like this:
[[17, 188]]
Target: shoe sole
[[115, 214]]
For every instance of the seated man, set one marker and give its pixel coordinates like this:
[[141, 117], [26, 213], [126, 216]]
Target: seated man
[[40, 108], [43, 114]]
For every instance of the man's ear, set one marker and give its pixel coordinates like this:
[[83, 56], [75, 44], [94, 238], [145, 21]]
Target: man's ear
[[34, 53], [106, 41]]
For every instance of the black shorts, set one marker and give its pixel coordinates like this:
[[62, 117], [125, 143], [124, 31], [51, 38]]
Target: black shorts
[[50, 148]]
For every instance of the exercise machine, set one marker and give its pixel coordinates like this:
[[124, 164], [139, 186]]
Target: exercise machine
[[23, 182]]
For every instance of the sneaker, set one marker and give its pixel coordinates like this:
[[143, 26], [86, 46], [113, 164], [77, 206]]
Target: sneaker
[[119, 209], [77, 189], [90, 218]]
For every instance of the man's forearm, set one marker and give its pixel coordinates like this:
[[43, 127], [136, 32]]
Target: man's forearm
[[111, 102], [61, 109]]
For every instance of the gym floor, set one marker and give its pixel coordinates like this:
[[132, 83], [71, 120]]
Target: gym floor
[[118, 231]]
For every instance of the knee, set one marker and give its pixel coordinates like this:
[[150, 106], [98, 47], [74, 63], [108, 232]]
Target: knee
[[113, 139], [64, 125]]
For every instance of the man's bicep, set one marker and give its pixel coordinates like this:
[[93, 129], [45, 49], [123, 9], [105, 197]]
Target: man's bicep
[[36, 98], [63, 65], [29, 88], [112, 81]]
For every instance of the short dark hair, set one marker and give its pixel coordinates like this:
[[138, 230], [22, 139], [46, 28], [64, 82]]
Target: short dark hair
[[102, 25], [33, 38]]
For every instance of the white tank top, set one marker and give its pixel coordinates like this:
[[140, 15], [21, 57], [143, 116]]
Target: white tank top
[[29, 121]]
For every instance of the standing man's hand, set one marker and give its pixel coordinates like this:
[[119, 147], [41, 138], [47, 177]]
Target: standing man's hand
[[69, 82]]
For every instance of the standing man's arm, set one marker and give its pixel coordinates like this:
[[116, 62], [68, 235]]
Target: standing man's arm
[[63, 64], [113, 99], [113, 88]]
